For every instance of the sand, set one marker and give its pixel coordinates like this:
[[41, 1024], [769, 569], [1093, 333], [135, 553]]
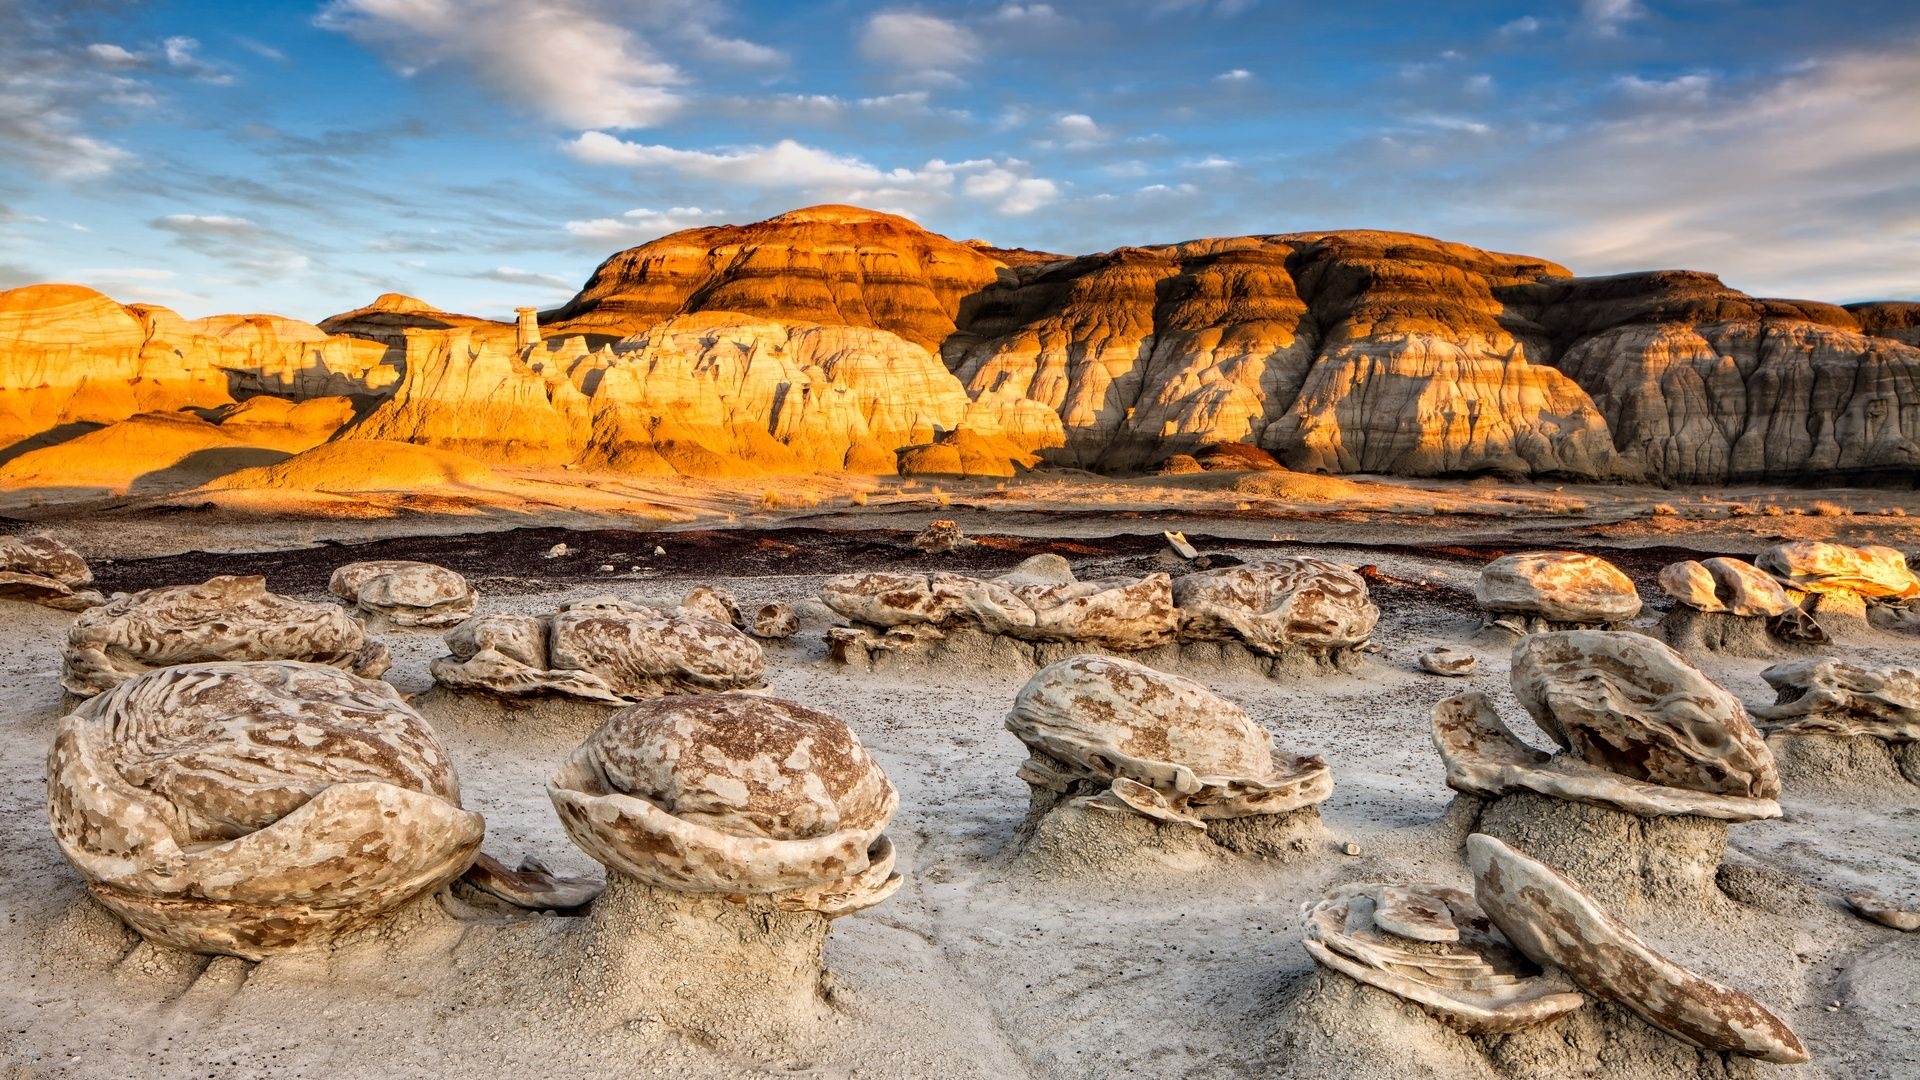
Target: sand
[[979, 966]]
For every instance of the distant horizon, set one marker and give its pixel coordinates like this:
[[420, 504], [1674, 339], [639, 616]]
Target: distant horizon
[[299, 157]]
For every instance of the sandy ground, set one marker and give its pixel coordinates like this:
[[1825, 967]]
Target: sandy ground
[[973, 968]]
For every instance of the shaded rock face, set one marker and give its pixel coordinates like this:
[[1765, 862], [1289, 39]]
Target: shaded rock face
[[255, 808]]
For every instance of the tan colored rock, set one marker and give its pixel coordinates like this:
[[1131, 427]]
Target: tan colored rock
[[356, 466], [1132, 738], [1872, 573], [1484, 758], [255, 808], [599, 649], [404, 593], [46, 571], [1627, 703], [940, 537], [773, 622], [1558, 587], [1117, 613], [1886, 914], [1690, 583], [708, 602], [1277, 605], [1833, 697], [223, 618], [1746, 590], [1433, 946], [1451, 662], [1556, 924], [748, 797]]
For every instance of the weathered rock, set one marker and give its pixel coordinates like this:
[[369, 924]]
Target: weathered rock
[[45, 571], [599, 649], [1556, 589], [223, 618], [404, 593], [1833, 697], [1884, 913], [1126, 737], [749, 798], [1451, 662], [1629, 704], [1556, 924], [1277, 605], [255, 808], [1117, 613], [1690, 583], [940, 537], [1871, 573], [707, 602], [773, 622], [1433, 946], [1744, 589]]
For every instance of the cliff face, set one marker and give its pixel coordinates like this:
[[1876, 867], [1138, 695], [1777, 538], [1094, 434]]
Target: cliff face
[[837, 338]]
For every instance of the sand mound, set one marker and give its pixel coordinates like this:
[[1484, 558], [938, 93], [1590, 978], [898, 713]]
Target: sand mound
[[1298, 487], [966, 453], [362, 465], [144, 453]]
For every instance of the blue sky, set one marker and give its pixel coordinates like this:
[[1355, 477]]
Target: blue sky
[[301, 157]]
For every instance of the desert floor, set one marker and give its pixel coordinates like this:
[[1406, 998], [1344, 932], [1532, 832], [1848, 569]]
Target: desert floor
[[973, 968]]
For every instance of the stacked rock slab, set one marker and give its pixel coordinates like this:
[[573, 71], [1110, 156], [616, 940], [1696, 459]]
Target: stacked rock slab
[[1731, 606], [45, 571], [1838, 581], [1124, 760], [734, 827], [1654, 762], [404, 593], [223, 618], [1536, 591], [255, 808], [1837, 724]]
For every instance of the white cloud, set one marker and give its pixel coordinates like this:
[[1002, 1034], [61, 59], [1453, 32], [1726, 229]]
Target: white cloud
[[1011, 192], [1027, 14], [112, 55], [516, 276], [1211, 161], [1078, 130], [182, 55], [1690, 88], [1520, 27], [640, 225], [1478, 85], [205, 223], [1237, 75], [1604, 17], [926, 47], [562, 58]]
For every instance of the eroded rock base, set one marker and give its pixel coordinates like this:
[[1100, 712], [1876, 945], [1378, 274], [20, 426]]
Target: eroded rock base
[[544, 715], [1692, 630], [867, 650], [1079, 835], [1838, 764]]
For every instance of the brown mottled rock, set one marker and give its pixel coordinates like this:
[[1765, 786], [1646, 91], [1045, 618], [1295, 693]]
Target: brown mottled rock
[[709, 602], [1872, 573], [1433, 946], [404, 593], [940, 537], [1451, 662], [1557, 589], [1277, 605], [1833, 697], [1131, 738], [746, 797], [1556, 924], [1629, 704], [1746, 590], [45, 571], [1126, 614], [774, 622], [599, 649], [255, 808], [223, 618], [1886, 914]]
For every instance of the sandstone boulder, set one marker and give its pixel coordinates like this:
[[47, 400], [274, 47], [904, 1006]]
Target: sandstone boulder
[[1433, 946], [1557, 589], [600, 649], [1833, 697], [1451, 662], [1277, 605], [404, 593], [1125, 614], [45, 571], [1557, 925], [223, 618], [255, 808], [1872, 573], [940, 537]]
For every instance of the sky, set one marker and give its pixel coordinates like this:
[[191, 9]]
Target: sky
[[302, 157]]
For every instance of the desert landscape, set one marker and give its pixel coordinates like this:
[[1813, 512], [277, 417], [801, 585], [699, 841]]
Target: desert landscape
[[817, 645]]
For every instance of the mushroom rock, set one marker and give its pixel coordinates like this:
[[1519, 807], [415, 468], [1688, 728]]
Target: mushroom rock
[[734, 827], [1840, 724], [404, 593], [1558, 925], [1728, 605], [1870, 573], [1451, 662], [255, 808], [45, 571], [1118, 751], [1690, 583], [1655, 761], [707, 602], [1039, 605], [1433, 946], [1746, 590], [598, 650], [1555, 590], [223, 618], [1278, 605], [940, 537]]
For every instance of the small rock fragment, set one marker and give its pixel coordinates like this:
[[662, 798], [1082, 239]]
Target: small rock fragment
[[940, 537], [556, 551], [1178, 542], [1445, 660]]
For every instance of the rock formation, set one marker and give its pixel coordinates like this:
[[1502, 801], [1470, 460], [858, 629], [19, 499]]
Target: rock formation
[[403, 593], [769, 622], [223, 618], [1837, 724], [46, 571], [1122, 758], [733, 828], [1278, 606], [1448, 661], [255, 808], [598, 650], [1830, 580], [1727, 605], [1554, 590]]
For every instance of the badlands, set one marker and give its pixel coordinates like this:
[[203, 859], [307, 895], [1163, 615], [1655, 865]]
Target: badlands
[[823, 648]]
